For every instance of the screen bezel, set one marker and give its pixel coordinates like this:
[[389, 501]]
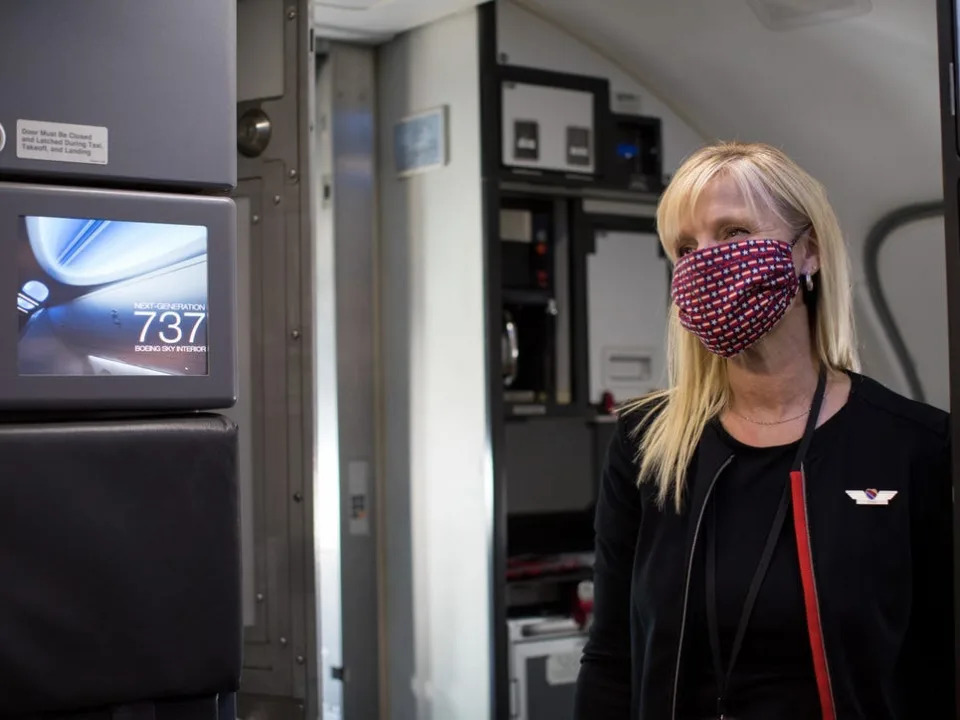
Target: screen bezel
[[216, 389]]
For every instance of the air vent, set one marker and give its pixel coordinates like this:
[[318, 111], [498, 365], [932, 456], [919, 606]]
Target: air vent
[[787, 14]]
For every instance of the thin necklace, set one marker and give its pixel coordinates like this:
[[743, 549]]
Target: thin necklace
[[770, 422], [775, 422]]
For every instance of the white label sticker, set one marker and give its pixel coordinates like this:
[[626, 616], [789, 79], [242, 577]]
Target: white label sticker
[[563, 668], [60, 142], [358, 473], [625, 103]]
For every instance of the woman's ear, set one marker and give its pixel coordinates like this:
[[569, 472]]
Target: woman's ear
[[810, 263]]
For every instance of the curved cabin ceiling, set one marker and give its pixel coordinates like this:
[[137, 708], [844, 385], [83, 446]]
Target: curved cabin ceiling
[[849, 88], [855, 100]]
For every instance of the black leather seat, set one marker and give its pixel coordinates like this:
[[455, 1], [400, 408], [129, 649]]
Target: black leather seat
[[120, 569]]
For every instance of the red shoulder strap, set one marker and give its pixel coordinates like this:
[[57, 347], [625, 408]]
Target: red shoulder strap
[[814, 626]]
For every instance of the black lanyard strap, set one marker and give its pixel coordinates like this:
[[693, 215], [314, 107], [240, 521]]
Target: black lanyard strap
[[811, 420], [713, 626]]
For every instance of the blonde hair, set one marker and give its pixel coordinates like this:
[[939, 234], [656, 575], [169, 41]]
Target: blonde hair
[[698, 388]]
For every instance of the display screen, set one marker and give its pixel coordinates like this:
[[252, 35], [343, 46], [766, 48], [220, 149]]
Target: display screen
[[110, 297]]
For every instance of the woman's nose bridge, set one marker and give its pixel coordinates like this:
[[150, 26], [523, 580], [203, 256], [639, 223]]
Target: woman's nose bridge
[[706, 240]]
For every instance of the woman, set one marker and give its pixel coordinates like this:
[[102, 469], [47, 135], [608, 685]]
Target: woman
[[773, 532]]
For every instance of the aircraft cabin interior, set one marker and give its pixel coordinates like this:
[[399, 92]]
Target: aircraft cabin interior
[[327, 311]]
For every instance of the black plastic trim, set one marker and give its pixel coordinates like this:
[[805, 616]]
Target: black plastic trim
[[490, 171], [947, 56]]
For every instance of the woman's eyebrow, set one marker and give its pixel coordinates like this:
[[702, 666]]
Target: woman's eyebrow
[[727, 220]]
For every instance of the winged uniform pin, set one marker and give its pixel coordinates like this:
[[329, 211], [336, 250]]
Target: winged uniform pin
[[872, 496]]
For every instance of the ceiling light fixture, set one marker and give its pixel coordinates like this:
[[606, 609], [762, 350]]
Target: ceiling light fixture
[[788, 14], [355, 5]]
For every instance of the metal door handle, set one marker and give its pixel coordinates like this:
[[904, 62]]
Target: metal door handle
[[510, 350]]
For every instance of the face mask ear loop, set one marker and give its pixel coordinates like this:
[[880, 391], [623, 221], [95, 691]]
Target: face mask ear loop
[[809, 284]]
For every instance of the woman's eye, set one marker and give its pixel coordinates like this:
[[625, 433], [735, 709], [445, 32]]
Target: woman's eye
[[734, 231]]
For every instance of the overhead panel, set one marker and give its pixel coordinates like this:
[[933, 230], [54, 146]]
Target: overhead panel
[[150, 103]]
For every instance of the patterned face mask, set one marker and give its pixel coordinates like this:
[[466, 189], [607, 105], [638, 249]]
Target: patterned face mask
[[731, 295]]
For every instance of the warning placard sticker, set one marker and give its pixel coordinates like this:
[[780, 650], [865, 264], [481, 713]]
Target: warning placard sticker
[[61, 142]]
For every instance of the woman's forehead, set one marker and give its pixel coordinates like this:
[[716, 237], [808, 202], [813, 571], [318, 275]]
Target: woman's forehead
[[723, 201]]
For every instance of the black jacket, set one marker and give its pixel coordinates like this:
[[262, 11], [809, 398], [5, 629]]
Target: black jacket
[[883, 575]]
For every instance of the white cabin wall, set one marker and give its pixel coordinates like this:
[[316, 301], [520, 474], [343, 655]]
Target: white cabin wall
[[914, 279], [526, 40], [437, 476]]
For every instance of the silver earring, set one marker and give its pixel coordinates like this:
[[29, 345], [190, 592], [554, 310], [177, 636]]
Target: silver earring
[[809, 283]]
